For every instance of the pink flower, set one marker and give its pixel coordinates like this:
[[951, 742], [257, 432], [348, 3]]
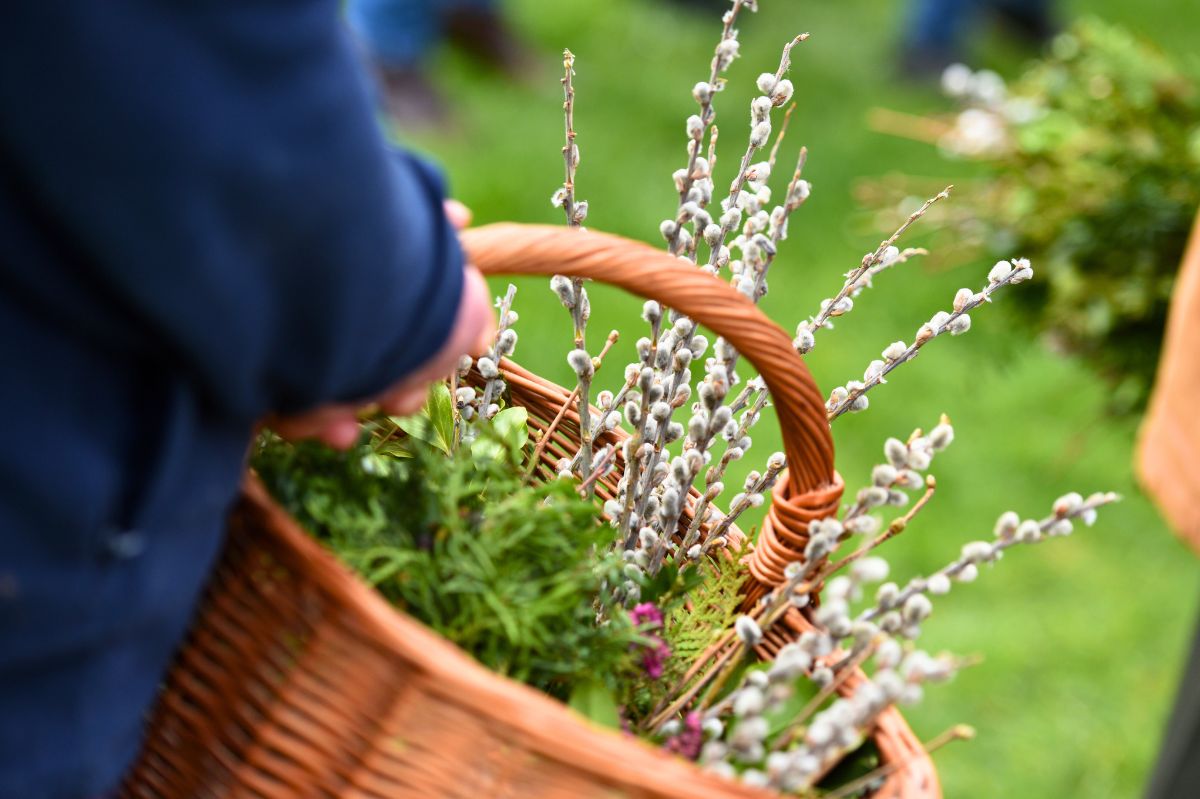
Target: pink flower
[[655, 652], [688, 741], [647, 613]]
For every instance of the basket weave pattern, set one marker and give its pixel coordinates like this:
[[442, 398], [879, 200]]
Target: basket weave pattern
[[297, 680]]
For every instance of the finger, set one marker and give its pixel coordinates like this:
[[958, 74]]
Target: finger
[[406, 401], [477, 298], [340, 433], [458, 214]]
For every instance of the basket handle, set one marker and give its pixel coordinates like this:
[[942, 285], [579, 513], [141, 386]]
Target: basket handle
[[518, 249]]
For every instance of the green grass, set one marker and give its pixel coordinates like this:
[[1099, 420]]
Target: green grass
[[1082, 638]]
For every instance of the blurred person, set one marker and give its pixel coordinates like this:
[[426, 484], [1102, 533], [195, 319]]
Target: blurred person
[[200, 225], [1168, 461], [936, 30], [400, 36]]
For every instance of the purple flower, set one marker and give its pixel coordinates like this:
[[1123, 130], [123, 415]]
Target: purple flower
[[655, 651], [688, 741], [647, 613], [654, 657]]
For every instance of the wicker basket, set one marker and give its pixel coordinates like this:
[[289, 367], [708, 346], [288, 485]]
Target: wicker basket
[[298, 680]]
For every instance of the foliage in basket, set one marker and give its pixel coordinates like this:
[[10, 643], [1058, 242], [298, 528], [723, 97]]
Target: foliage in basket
[[613, 579], [510, 572], [1091, 166]]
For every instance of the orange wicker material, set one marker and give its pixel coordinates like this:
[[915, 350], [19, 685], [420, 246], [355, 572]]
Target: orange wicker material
[[298, 680]]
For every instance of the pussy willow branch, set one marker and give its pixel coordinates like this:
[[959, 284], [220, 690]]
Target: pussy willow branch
[[793, 728], [598, 361], [716, 472], [912, 350], [873, 259], [783, 127], [575, 215], [956, 567], [959, 732], [739, 181], [707, 114], [492, 387], [570, 151]]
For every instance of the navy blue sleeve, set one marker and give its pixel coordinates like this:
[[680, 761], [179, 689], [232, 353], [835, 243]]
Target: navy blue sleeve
[[219, 195]]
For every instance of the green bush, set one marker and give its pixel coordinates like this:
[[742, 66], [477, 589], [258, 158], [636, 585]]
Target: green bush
[[1090, 167]]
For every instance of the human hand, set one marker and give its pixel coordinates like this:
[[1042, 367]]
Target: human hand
[[337, 424]]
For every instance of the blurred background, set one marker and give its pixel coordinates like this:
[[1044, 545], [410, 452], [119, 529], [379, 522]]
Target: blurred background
[[1082, 639]]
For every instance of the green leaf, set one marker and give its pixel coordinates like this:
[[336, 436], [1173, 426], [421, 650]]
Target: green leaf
[[512, 426], [486, 448], [440, 409], [782, 716], [435, 423], [592, 700]]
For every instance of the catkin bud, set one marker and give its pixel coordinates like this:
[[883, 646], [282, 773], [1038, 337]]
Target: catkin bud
[[760, 134], [938, 584], [782, 92], [561, 285], [581, 362], [804, 341], [883, 475], [869, 570], [895, 351], [695, 127], [963, 298], [1023, 270], [917, 609], [896, 452], [727, 50], [960, 325], [1007, 524], [1067, 504], [1060, 527], [748, 630], [487, 368], [1029, 532], [977, 552], [941, 437], [1001, 270]]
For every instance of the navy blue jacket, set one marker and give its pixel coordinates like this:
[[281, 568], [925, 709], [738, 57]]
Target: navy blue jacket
[[199, 222]]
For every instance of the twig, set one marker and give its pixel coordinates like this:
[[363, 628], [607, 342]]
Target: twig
[[959, 732], [925, 334], [894, 529], [919, 586], [739, 181], [598, 469], [566, 406], [841, 673], [873, 259], [707, 114], [783, 126]]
